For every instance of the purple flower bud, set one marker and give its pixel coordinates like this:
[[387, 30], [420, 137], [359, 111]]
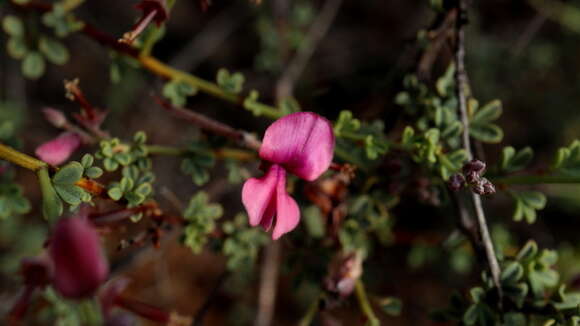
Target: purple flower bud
[[343, 272], [55, 117], [472, 178], [488, 187], [456, 182], [80, 266], [300, 143], [476, 166], [478, 189]]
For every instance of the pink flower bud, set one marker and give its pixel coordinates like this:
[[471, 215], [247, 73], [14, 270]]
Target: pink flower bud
[[300, 143], [80, 266], [55, 117], [58, 150]]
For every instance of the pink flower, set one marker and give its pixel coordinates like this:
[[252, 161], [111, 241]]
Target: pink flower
[[58, 150], [79, 264], [300, 143]]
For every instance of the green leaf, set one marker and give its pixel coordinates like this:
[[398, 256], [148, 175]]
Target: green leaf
[[512, 161], [13, 26], [231, 83], [513, 272], [487, 133], [533, 199], [346, 123], [528, 251], [33, 65], [69, 193], [87, 161], [453, 130], [144, 189], [115, 193], [177, 92], [69, 174], [313, 221], [479, 314], [94, 172], [16, 47], [54, 51], [110, 165], [123, 158], [477, 294], [488, 113]]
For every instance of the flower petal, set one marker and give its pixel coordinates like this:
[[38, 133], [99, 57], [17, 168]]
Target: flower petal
[[287, 211], [258, 197], [79, 263], [58, 150], [302, 142]]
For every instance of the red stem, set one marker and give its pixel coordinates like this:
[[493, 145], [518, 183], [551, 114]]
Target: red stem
[[144, 310], [21, 305]]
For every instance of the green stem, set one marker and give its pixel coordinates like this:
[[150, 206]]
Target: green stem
[[365, 305], [311, 312], [13, 156], [351, 136], [165, 150], [159, 68], [535, 179]]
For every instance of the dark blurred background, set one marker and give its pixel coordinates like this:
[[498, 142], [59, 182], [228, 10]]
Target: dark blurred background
[[514, 54]]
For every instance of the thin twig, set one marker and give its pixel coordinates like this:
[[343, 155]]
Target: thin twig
[[200, 314], [268, 284], [203, 122], [528, 34], [316, 32], [462, 89]]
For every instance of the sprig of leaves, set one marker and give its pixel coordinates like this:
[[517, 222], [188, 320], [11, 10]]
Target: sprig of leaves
[[200, 216]]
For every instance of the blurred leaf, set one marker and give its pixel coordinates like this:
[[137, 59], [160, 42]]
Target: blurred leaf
[[177, 92], [487, 133], [512, 161], [488, 113], [17, 48], [54, 51], [33, 65], [231, 83], [13, 26], [314, 222]]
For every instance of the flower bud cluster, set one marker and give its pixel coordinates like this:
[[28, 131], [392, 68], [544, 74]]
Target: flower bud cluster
[[471, 177]]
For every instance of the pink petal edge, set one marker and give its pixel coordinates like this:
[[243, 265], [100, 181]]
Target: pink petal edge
[[302, 142], [59, 149]]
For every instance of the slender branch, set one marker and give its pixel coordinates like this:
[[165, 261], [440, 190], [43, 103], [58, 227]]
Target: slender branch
[[157, 67], [199, 316], [13, 156], [311, 312], [535, 179], [268, 284], [315, 34], [462, 89], [365, 305], [203, 122]]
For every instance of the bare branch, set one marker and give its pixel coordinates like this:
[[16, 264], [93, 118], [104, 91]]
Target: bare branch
[[462, 90]]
